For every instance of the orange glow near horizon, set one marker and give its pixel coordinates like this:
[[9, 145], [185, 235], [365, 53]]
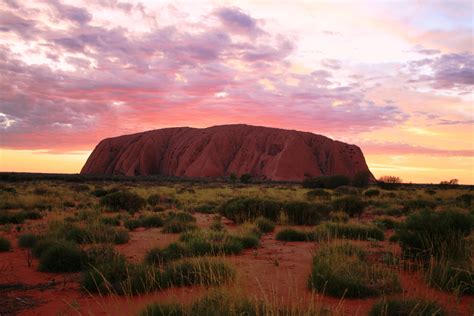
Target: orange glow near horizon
[[410, 168]]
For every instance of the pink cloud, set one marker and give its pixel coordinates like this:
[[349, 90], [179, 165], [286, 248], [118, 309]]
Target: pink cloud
[[406, 149]]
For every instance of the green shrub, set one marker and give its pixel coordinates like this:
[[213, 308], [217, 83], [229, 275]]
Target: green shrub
[[406, 306], [347, 190], [245, 178], [418, 204], [352, 205], [74, 234], [132, 224], [5, 244], [111, 221], [339, 217], [151, 221], [12, 218], [164, 309], [183, 217], [154, 200], [99, 192], [349, 231], [123, 200], [120, 236], [362, 179], [27, 240], [302, 213], [217, 223], [61, 257], [385, 222], [207, 208], [162, 256], [371, 193], [293, 235], [264, 225], [429, 233], [176, 227], [100, 233], [464, 200], [326, 182], [199, 271], [318, 193], [216, 303], [341, 271], [42, 245], [242, 209], [109, 272], [451, 276], [31, 215], [248, 240]]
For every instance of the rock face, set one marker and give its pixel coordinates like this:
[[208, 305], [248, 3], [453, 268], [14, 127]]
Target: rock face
[[218, 151]]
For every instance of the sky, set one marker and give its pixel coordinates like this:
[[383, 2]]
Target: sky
[[395, 78]]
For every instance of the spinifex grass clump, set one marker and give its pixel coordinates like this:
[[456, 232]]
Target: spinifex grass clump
[[418, 204], [123, 200], [197, 243], [351, 204], [326, 182], [109, 272], [18, 217], [341, 270], [61, 256], [216, 303], [303, 213], [94, 232], [162, 256], [297, 213], [244, 209], [372, 193], [179, 222], [291, 234], [222, 302], [455, 276], [386, 222], [5, 244], [406, 306], [199, 271], [264, 225], [347, 231], [111, 221], [440, 234], [146, 221], [318, 194], [27, 240]]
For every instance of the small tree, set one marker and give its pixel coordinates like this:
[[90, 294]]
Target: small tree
[[245, 178], [361, 179], [449, 184], [389, 182], [233, 177]]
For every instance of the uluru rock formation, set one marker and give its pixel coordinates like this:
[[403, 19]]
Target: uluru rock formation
[[218, 151]]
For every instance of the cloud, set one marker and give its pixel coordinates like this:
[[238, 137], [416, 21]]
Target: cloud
[[425, 51], [406, 149], [91, 81], [74, 14], [447, 71], [237, 21]]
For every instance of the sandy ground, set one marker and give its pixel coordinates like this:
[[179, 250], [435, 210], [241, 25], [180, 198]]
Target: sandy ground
[[276, 272]]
